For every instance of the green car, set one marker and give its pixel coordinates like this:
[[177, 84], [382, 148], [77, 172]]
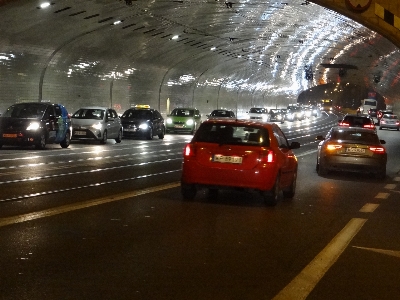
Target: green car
[[183, 120]]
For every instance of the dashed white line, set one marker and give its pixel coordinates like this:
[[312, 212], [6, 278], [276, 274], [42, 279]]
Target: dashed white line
[[369, 207], [301, 286]]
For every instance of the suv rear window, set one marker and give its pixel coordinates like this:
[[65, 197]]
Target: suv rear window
[[231, 134]]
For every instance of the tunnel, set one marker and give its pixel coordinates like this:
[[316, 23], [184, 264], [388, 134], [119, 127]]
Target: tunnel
[[206, 54]]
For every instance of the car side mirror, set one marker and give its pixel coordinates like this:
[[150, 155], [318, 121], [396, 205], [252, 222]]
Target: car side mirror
[[295, 145], [382, 142], [320, 138]]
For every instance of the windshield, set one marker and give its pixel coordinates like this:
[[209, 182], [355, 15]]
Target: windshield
[[358, 137], [220, 113], [25, 110], [182, 112], [137, 114], [89, 113], [229, 134]]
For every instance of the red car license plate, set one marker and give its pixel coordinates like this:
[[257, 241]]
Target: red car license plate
[[227, 159]]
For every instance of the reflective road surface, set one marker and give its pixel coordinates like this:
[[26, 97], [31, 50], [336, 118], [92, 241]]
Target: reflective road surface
[[108, 222]]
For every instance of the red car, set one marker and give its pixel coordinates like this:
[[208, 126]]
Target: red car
[[225, 154]]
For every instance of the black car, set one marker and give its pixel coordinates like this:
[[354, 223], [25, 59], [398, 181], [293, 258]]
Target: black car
[[143, 121], [372, 112], [362, 121], [35, 123]]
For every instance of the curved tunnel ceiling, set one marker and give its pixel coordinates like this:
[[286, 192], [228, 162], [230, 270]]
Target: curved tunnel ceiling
[[203, 53]]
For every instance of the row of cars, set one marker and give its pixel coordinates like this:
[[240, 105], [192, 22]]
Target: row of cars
[[255, 155], [41, 123]]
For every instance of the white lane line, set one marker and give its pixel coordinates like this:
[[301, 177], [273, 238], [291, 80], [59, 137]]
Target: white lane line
[[369, 207], [76, 206], [382, 196], [306, 153], [382, 251], [390, 186], [302, 285]]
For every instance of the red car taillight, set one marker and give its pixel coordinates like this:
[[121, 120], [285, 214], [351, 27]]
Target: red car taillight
[[378, 149], [267, 156], [189, 150], [344, 124], [369, 126]]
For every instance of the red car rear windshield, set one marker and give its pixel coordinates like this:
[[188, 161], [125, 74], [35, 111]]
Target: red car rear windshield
[[231, 134]]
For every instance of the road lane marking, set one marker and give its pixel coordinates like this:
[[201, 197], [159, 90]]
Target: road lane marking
[[390, 186], [96, 184], [382, 196], [76, 206], [382, 251], [369, 207], [301, 286], [306, 153]]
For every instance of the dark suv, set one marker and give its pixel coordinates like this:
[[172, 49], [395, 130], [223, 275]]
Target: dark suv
[[35, 123], [143, 121], [358, 121]]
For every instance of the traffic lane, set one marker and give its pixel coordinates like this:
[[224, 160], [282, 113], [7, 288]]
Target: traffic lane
[[354, 276], [369, 267], [158, 246], [65, 188]]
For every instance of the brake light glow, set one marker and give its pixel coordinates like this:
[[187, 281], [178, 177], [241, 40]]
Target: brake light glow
[[188, 150], [332, 147], [370, 126], [377, 149], [344, 124], [267, 156]]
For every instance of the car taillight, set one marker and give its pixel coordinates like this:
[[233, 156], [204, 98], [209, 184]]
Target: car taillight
[[331, 147], [369, 126], [377, 149], [267, 156], [344, 124], [189, 150]]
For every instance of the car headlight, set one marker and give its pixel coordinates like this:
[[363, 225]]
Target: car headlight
[[143, 126], [189, 122], [97, 126], [33, 126], [169, 121]]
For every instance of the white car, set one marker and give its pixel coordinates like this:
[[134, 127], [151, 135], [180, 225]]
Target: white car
[[96, 123], [259, 114]]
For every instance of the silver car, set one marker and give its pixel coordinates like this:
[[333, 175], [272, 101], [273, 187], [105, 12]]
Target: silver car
[[96, 123], [351, 149], [389, 121]]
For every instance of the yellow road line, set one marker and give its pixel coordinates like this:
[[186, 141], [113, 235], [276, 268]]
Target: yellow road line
[[76, 206], [369, 207], [302, 285]]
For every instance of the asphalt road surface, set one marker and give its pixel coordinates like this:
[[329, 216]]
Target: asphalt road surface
[[108, 222]]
